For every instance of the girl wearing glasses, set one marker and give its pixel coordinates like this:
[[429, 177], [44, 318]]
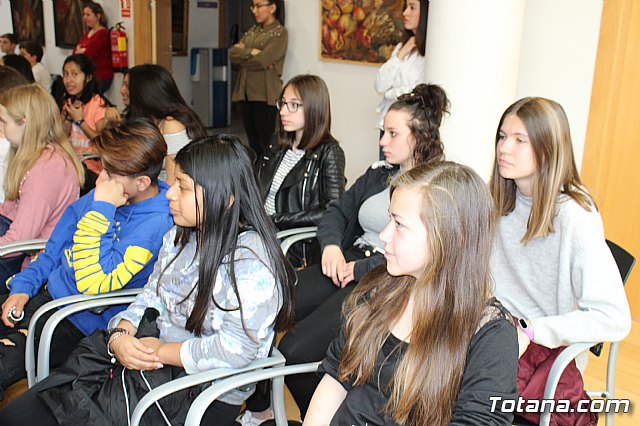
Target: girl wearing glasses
[[260, 56], [298, 176], [304, 170], [348, 231]]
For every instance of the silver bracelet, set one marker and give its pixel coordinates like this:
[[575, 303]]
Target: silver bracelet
[[112, 339]]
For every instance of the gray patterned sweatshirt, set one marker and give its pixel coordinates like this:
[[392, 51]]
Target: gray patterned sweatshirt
[[224, 342]]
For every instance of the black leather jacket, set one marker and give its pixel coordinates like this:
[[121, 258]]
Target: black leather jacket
[[314, 181]]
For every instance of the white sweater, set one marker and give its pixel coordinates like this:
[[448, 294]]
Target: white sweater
[[397, 77], [567, 284], [41, 75]]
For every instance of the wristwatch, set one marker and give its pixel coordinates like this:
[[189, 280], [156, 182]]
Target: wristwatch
[[528, 330], [79, 122], [115, 330]]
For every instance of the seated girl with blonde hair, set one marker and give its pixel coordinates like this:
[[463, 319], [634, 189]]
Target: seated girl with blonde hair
[[43, 175]]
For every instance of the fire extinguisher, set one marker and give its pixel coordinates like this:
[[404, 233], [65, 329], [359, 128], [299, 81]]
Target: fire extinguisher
[[119, 55]]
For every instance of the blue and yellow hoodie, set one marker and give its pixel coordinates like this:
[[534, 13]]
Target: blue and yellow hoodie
[[96, 248]]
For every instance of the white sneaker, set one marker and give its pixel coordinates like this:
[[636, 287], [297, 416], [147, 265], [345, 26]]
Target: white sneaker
[[248, 419]]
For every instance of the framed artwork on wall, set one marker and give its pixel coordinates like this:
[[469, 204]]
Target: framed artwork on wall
[[67, 17], [361, 31], [28, 21]]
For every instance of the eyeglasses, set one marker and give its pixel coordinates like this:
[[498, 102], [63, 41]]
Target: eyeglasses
[[258, 6], [291, 105]]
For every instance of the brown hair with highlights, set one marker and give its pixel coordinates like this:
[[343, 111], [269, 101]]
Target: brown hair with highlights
[[548, 129], [134, 148], [448, 297]]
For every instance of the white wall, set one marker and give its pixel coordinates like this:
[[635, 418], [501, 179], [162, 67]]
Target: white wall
[[557, 60], [473, 49], [559, 47], [54, 56], [558, 50], [203, 32]]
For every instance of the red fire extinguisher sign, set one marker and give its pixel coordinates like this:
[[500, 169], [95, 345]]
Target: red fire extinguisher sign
[[125, 8]]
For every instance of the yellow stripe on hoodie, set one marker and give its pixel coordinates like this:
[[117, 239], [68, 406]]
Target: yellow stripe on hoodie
[[90, 277]]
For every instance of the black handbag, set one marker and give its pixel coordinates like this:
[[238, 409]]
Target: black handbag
[[90, 390]]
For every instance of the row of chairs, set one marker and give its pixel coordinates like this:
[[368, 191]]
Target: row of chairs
[[272, 368]]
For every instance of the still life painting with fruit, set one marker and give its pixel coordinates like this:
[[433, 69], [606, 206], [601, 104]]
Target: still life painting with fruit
[[361, 30]]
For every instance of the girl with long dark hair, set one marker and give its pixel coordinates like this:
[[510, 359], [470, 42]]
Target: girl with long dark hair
[[83, 107], [153, 94], [221, 288]]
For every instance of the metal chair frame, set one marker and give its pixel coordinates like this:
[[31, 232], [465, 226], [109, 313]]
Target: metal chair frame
[[625, 262]]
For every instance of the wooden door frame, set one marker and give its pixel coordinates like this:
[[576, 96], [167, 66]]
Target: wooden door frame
[[142, 40], [612, 133], [221, 23]]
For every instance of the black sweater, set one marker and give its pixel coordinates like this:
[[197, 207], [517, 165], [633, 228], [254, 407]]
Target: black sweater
[[490, 370]]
